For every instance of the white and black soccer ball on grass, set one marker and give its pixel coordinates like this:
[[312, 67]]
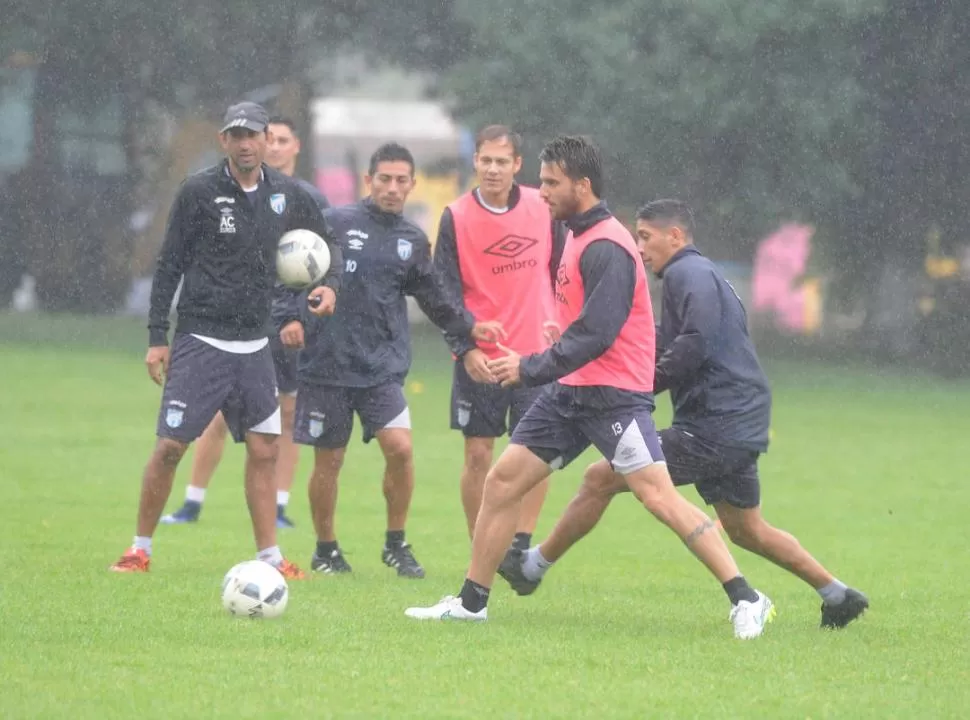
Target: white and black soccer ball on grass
[[255, 589], [302, 259]]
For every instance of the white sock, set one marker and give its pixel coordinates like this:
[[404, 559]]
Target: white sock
[[271, 555], [833, 593], [142, 543], [282, 497], [195, 494], [534, 566]]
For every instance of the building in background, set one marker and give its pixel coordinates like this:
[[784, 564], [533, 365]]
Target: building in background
[[346, 131]]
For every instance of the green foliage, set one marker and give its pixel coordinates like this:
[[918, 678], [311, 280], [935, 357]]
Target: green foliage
[[746, 109], [849, 114]]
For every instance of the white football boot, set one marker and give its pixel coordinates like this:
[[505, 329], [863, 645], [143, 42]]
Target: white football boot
[[750, 618], [448, 608]]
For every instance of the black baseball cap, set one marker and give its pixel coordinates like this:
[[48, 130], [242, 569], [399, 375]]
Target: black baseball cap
[[249, 115]]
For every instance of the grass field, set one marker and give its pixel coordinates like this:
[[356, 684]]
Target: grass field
[[866, 468]]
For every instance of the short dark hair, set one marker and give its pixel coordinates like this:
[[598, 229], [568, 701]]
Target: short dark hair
[[283, 120], [667, 213], [578, 157], [497, 132], [390, 152]]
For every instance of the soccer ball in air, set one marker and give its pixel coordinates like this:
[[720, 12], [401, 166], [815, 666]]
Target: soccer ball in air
[[302, 258], [255, 589]]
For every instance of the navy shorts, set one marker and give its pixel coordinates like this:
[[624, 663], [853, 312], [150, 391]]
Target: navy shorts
[[558, 429], [718, 472], [481, 410], [325, 413], [284, 361], [202, 380]]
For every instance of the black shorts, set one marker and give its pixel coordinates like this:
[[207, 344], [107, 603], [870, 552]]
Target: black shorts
[[202, 380], [284, 361], [325, 413], [481, 410], [719, 473], [558, 431]]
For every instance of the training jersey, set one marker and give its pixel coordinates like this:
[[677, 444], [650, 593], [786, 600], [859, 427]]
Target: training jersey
[[503, 260], [628, 364]]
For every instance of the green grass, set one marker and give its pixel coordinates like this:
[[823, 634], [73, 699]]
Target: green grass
[[866, 469]]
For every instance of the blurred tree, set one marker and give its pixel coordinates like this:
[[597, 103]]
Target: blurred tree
[[914, 165], [847, 114], [105, 70], [748, 110]]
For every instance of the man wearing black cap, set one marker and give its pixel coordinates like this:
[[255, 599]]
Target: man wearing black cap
[[282, 148], [221, 242]]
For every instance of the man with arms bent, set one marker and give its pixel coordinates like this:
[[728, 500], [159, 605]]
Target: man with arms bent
[[498, 249], [282, 148], [722, 409], [601, 393], [221, 240]]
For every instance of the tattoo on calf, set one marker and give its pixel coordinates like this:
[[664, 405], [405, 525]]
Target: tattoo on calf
[[698, 531]]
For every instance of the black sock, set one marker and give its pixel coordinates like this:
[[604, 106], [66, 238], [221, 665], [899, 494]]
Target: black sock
[[522, 541], [737, 589], [193, 505], [474, 597], [280, 509], [325, 549], [395, 539]]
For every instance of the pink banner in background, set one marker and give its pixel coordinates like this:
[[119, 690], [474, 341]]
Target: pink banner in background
[[338, 184], [780, 261]]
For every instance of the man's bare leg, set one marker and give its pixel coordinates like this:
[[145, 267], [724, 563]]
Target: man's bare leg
[[398, 489], [478, 457], [261, 452], [287, 460], [206, 456], [156, 485], [656, 492], [600, 485], [516, 472], [747, 528], [529, 515], [322, 491]]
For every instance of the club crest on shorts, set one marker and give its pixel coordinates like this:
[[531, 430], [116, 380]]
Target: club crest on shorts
[[316, 427], [174, 416], [277, 201], [464, 415], [403, 248]]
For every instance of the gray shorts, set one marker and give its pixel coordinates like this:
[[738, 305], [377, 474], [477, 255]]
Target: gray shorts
[[719, 473], [557, 429], [202, 380], [480, 409], [285, 362], [325, 413]]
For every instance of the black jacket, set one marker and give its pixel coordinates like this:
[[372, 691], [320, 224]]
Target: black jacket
[[224, 245], [706, 357], [367, 341]]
